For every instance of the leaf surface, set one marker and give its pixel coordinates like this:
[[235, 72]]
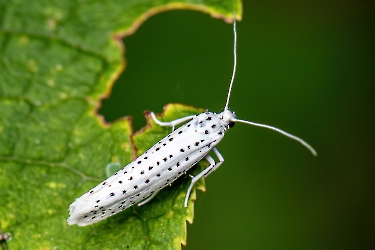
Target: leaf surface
[[57, 60]]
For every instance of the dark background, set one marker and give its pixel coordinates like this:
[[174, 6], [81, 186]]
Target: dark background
[[304, 66]]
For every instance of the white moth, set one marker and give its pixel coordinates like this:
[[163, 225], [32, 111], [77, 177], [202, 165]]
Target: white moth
[[171, 157]]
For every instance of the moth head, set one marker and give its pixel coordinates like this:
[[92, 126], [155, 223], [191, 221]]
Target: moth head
[[228, 118]]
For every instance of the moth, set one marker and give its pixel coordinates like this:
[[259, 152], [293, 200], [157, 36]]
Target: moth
[[163, 163]]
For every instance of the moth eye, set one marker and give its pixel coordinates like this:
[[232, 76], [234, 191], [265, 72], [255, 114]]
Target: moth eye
[[231, 124]]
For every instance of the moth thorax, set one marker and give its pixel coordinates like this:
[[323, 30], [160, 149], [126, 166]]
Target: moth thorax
[[208, 123]]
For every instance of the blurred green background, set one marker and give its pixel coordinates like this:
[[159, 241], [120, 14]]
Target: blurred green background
[[305, 67]]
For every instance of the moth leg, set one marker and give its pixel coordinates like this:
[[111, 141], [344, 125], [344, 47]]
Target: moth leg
[[171, 123], [147, 199], [198, 176], [221, 160]]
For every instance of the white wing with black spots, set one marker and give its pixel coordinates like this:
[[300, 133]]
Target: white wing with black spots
[[156, 168]]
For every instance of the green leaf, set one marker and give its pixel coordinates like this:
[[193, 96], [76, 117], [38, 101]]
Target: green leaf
[[57, 61]]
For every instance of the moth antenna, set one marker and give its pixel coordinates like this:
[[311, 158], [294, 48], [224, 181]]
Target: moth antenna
[[235, 60], [312, 150]]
